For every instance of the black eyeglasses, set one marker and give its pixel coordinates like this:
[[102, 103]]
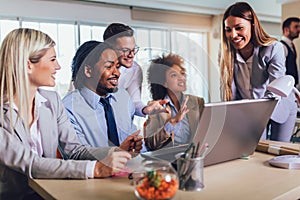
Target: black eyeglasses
[[127, 52]]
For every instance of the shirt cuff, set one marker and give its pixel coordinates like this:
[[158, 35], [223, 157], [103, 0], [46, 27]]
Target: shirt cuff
[[112, 149], [90, 168], [139, 109]]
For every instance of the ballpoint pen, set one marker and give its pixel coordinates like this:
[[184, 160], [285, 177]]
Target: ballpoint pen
[[134, 146], [202, 151], [206, 147], [197, 149], [187, 151]]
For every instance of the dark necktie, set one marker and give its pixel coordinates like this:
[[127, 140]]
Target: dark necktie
[[294, 49], [112, 132]]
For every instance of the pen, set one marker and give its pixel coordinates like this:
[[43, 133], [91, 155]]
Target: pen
[[186, 153], [203, 154], [193, 152], [133, 150], [204, 150], [134, 145], [197, 149]]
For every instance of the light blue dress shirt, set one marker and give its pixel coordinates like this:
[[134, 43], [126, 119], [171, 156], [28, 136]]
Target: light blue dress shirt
[[181, 129], [87, 115]]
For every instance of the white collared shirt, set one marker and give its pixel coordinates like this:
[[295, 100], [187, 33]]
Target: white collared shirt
[[289, 43], [35, 139], [131, 80]]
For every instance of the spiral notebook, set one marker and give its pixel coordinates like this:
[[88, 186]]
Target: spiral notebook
[[231, 129]]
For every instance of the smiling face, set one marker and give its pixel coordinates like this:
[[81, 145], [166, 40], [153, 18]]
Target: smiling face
[[175, 79], [237, 31], [103, 77], [43, 72], [121, 45]]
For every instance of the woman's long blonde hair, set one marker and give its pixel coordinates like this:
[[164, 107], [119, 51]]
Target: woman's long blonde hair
[[18, 48], [259, 38]]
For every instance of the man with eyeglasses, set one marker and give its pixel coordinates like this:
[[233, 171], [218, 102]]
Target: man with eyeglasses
[[120, 36]]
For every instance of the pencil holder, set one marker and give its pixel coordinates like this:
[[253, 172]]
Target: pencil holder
[[190, 173]]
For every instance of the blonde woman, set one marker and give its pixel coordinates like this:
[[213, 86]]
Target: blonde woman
[[34, 122], [250, 60]]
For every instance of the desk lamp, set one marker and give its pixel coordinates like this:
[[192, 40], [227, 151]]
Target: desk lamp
[[283, 86]]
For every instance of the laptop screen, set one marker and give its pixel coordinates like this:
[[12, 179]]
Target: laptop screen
[[231, 129]]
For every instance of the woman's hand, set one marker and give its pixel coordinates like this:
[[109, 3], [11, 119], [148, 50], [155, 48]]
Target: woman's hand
[[112, 164], [182, 112], [157, 106]]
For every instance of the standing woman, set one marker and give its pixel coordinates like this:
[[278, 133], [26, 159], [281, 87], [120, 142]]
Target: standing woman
[[33, 122], [250, 60], [167, 79]]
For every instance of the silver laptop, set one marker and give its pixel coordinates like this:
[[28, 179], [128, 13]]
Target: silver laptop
[[231, 129]]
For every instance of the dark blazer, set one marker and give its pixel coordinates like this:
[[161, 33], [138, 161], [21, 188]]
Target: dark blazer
[[18, 162], [290, 63]]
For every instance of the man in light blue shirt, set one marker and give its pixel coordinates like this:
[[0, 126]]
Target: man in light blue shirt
[[95, 71]]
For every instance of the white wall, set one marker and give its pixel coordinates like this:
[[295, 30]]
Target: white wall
[[71, 11], [61, 10]]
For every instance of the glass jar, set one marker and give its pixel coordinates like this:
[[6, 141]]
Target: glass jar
[[156, 180]]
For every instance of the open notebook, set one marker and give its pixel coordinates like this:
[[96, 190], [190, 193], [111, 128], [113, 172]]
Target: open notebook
[[232, 130]]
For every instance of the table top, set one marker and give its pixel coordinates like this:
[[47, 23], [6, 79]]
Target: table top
[[238, 179]]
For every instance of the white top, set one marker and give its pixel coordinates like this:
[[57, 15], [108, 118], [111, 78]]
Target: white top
[[35, 139], [288, 42], [131, 80]]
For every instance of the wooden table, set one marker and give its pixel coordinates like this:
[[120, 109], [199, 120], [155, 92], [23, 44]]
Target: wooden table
[[238, 179]]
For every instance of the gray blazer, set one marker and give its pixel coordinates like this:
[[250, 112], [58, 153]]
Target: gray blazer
[[268, 65], [18, 162]]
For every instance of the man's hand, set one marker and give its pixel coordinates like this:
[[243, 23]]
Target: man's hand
[[155, 107], [113, 163], [132, 143]]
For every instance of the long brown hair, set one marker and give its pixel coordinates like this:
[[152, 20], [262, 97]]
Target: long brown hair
[[259, 38]]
